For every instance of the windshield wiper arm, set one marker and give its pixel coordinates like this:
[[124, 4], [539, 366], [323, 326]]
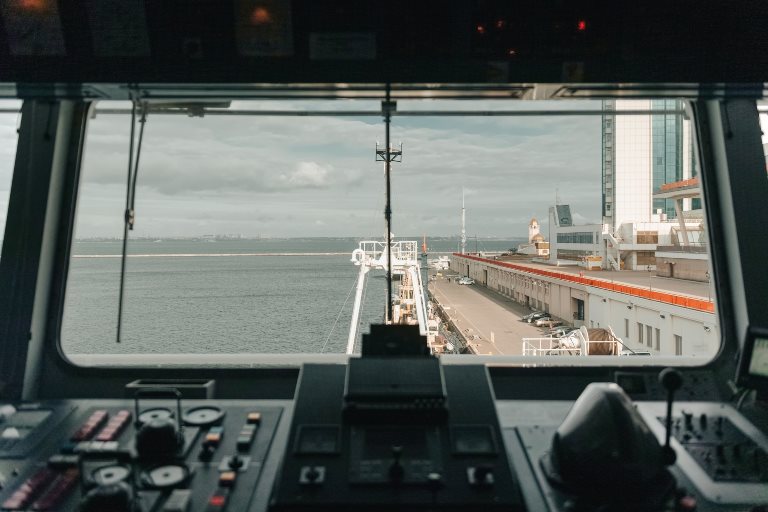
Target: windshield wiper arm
[[130, 204]]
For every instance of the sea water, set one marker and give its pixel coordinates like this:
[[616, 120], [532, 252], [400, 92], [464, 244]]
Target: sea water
[[230, 296]]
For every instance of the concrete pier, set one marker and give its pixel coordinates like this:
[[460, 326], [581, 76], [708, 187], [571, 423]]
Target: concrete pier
[[489, 322], [659, 315]]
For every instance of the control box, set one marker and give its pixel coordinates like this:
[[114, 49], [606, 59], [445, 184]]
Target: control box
[[434, 442]]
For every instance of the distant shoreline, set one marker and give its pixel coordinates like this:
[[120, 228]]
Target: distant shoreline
[[299, 238], [219, 255], [211, 255]]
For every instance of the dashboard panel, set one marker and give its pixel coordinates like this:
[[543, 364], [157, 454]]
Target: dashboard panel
[[442, 443]]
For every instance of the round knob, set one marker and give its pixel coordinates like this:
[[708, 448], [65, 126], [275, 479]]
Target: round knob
[[312, 474], [236, 462], [108, 498], [671, 379], [158, 438]]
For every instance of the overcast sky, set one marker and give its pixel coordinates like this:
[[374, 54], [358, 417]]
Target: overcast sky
[[316, 176]]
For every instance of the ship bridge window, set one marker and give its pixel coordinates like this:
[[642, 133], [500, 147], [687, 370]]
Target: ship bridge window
[[762, 108], [258, 231], [575, 238], [9, 120]]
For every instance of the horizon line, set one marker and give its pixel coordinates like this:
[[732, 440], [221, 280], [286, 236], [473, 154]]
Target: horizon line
[[232, 238]]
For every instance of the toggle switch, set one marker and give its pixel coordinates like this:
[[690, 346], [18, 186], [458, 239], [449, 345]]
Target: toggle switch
[[227, 478], [312, 475], [480, 476]]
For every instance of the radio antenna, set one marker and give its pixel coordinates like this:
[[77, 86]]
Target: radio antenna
[[388, 155], [130, 202]]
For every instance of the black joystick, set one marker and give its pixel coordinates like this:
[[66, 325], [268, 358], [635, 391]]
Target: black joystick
[[236, 462], [108, 498], [672, 380], [158, 438]]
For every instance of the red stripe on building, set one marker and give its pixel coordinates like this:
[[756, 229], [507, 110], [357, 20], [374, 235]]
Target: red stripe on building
[[668, 298]]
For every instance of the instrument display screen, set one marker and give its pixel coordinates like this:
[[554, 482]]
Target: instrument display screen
[[758, 365]]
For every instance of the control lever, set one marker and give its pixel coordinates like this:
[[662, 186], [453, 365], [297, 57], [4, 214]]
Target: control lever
[[396, 470], [206, 451], [671, 379], [107, 483], [116, 497], [159, 437], [434, 483]]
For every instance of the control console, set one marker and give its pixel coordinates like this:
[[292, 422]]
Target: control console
[[718, 450], [395, 434], [152, 454], [381, 433]]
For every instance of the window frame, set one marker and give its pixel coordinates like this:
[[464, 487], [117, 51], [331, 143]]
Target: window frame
[[496, 360], [678, 345]]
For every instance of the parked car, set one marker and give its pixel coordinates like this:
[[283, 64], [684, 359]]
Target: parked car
[[466, 280], [546, 321], [535, 316], [530, 315]]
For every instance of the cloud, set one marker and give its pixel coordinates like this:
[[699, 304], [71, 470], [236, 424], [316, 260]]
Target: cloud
[[263, 155], [308, 174], [299, 176]]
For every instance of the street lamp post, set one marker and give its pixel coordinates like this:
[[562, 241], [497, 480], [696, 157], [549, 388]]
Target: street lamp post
[[709, 287]]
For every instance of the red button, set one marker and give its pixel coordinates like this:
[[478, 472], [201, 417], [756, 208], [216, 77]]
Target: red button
[[217, 501], [687, 503]]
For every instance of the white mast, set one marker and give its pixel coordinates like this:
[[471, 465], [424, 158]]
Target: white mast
[[463, 225]]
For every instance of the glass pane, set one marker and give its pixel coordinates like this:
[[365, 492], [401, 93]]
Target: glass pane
[[762, 107], [595, 220], [243, 234], [9, 120], [245, 225]]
